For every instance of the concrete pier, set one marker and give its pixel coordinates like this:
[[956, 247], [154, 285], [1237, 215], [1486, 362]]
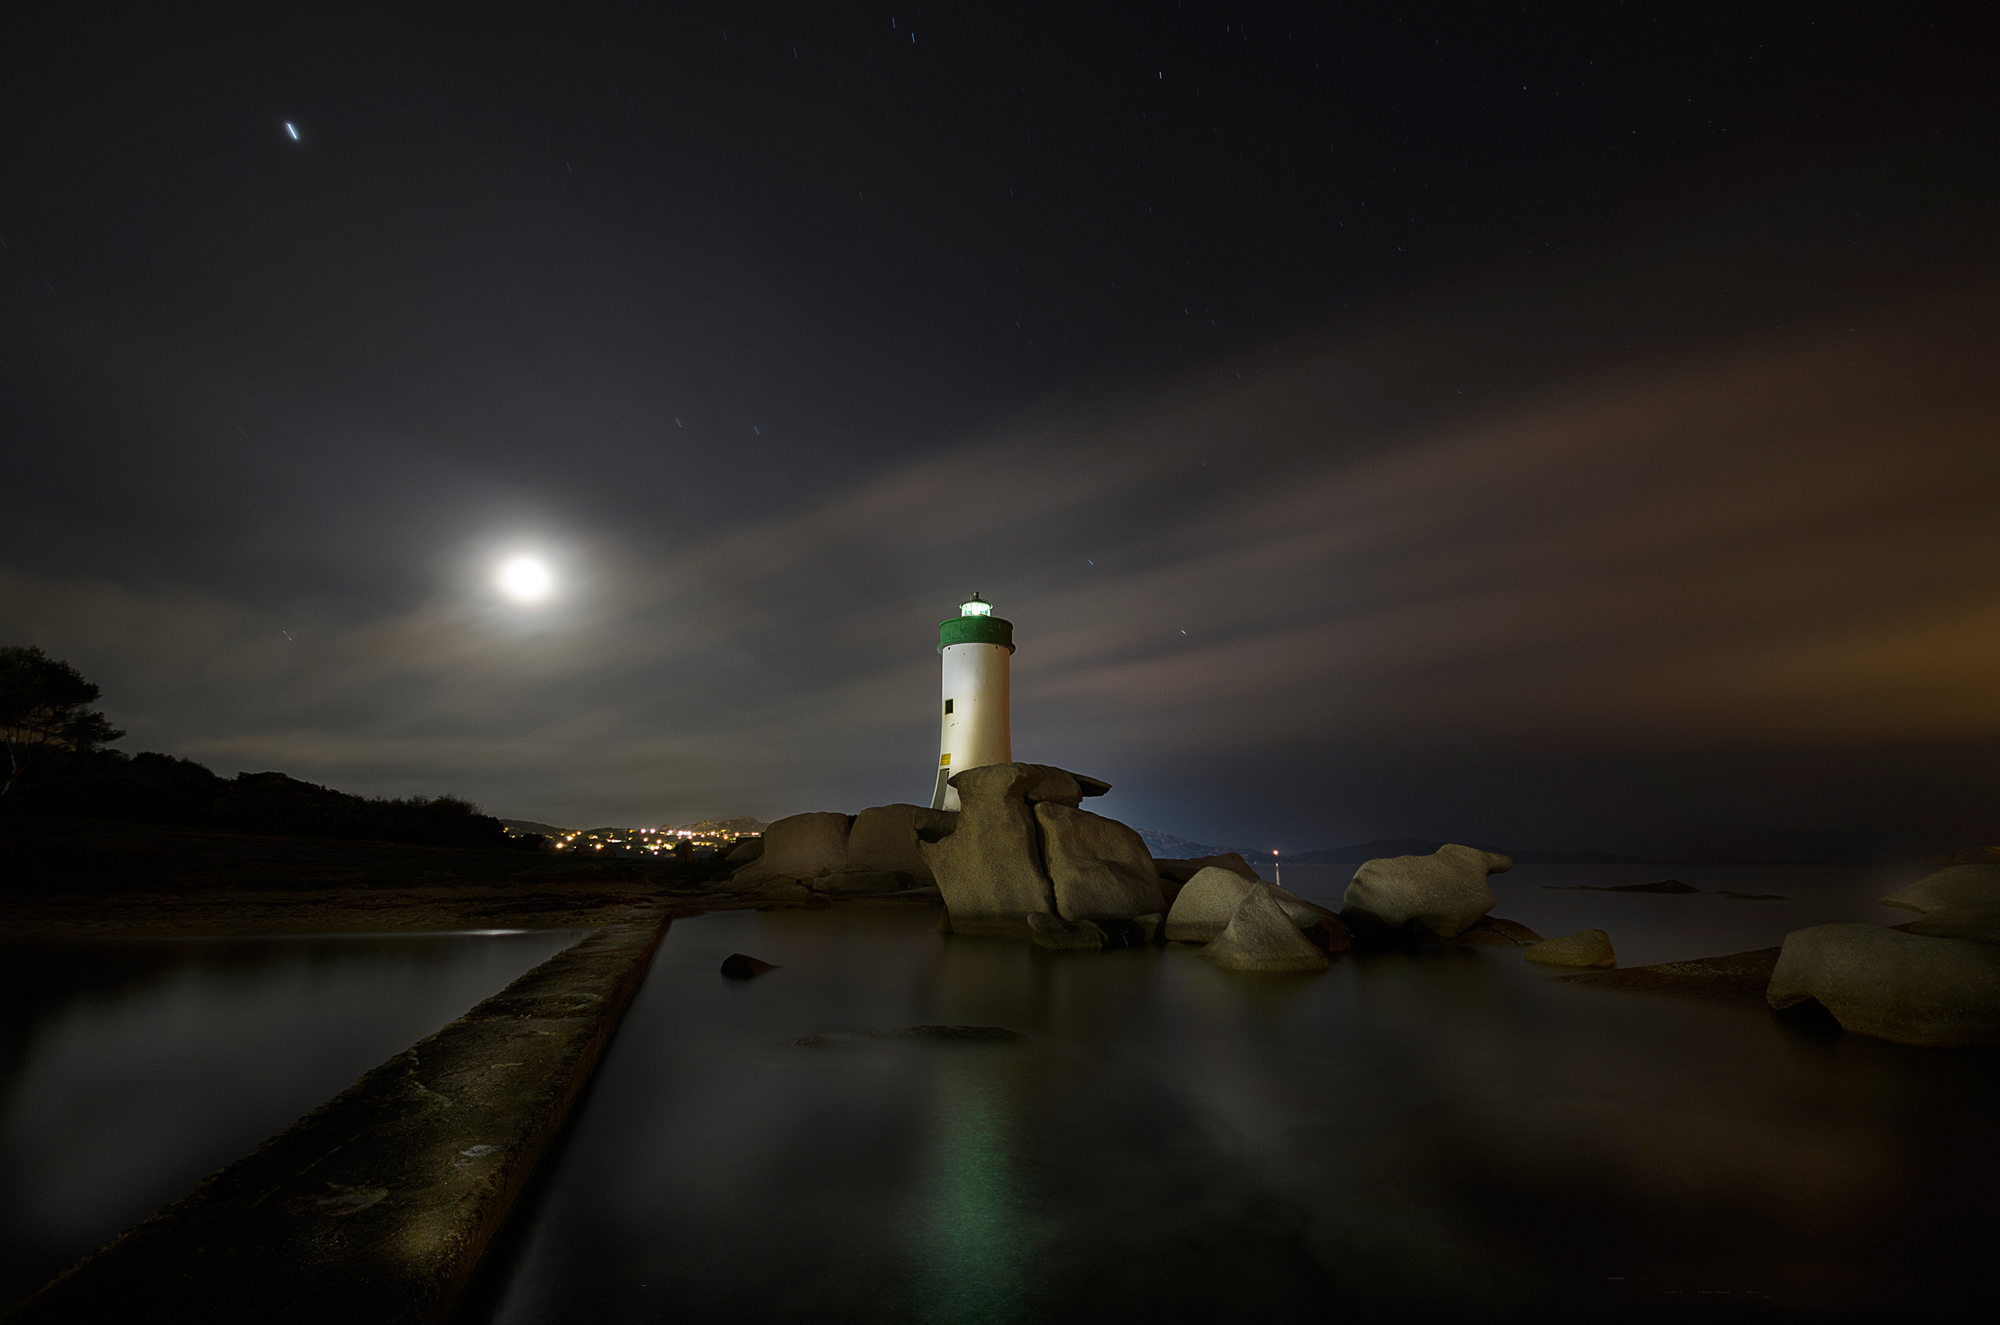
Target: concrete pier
[[378, 1205]]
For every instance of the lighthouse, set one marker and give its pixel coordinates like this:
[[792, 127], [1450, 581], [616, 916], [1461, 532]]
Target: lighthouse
[[975, 726]]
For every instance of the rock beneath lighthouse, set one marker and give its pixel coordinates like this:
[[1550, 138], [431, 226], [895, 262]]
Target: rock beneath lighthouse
[[801, 847], [1261, 937], [1445, 892], [884, 838], [1210, 899], [1101, 869], [988, 868], [1037, 784], [1904, 987]]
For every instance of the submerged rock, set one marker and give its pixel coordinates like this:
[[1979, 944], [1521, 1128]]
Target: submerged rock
[[1100, 868], [1445, 892], [1261, 937], [1740, 977], [1588, 947], [737, 966], [1674, 886], [941, 1034], [1905, 987]]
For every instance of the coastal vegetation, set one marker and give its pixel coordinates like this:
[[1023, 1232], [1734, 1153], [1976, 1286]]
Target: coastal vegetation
[[77, 816]]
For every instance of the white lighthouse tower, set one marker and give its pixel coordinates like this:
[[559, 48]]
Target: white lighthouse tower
[[977, 727]]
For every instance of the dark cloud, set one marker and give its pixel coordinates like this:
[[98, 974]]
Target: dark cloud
[[1777, 544]]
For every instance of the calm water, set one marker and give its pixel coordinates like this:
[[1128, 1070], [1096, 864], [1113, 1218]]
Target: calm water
[[129, 1071], [1401, 1135]]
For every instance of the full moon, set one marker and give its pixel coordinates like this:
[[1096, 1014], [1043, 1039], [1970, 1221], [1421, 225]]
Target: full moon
[[525, 579]]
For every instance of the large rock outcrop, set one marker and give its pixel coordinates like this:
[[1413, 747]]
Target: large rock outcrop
[[799, 849], [989, 867], [875, 851], [1209, 901], [1904, 987], [884, 839], [1445, 892], [1960, 885], [1099, 867], [1260, 936], [1174, 874]]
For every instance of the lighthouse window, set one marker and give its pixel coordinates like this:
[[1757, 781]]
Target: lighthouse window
[[947, 706]]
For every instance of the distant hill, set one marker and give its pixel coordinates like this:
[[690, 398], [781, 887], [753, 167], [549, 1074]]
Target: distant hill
[[739, 825], [1165, 846], [530, 826]]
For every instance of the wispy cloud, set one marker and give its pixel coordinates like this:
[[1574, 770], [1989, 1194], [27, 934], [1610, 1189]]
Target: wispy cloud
[[1783, 540]]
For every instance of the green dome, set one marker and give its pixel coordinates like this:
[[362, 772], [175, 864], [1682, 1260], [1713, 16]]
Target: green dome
[[976, 624]]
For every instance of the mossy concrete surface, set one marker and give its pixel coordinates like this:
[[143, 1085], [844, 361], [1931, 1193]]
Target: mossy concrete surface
[[377, 1206]]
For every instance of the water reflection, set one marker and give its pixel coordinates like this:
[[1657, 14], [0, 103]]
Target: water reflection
[[130, 1070], [974, 1253], [1402, 1135]]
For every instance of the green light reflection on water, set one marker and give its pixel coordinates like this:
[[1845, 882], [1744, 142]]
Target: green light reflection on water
[[976, 1245]]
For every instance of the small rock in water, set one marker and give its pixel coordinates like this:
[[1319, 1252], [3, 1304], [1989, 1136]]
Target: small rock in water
[[1589, 947], [736, 966], [962, 1034], [947, 1034]]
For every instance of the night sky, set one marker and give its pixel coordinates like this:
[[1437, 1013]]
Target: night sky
[[1563, 427]]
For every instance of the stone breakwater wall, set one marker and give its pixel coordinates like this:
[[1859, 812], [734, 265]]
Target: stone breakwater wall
[[378, 1205]]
